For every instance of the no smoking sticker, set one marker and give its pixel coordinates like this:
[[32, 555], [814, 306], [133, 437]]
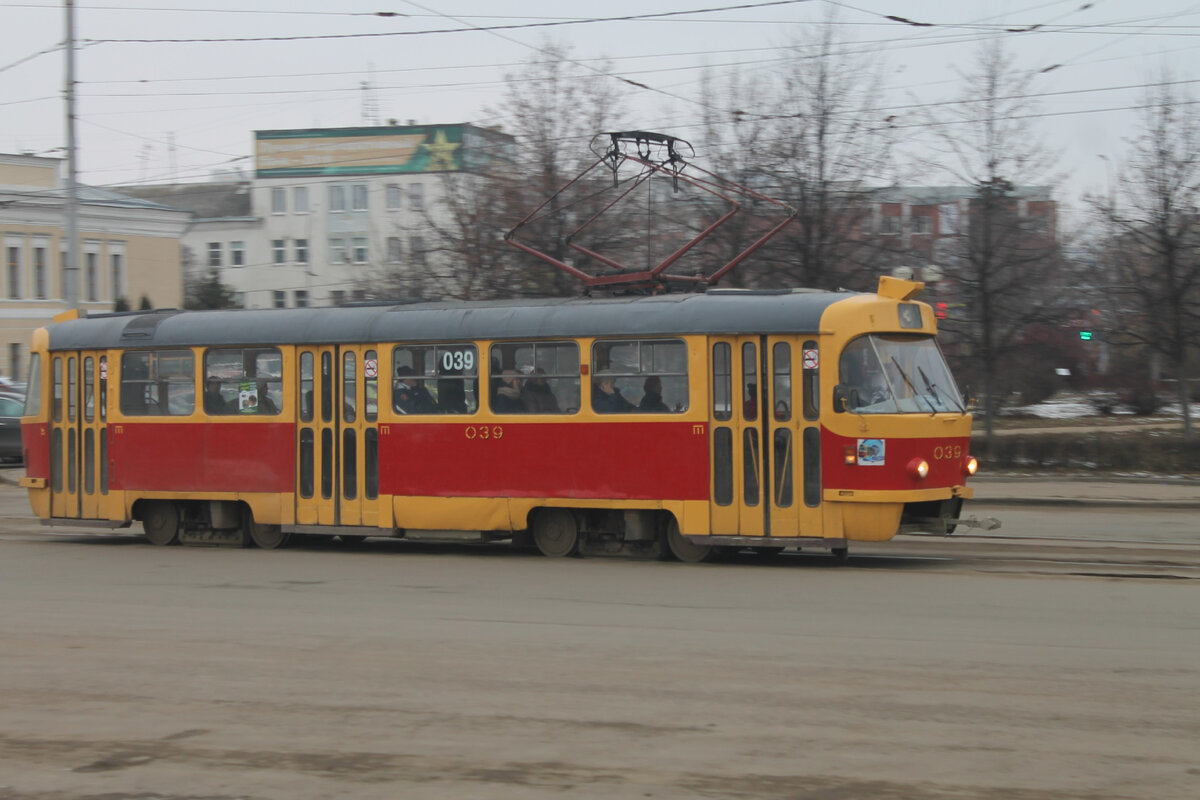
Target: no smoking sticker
[[371, 368], [811, 360]]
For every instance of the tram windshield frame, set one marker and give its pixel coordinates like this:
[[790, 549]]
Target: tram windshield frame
[[897, 373]]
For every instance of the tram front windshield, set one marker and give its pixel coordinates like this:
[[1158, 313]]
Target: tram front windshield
[[892, 373]]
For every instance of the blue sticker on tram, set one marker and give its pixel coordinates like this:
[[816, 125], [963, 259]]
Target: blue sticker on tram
[[871, 452]]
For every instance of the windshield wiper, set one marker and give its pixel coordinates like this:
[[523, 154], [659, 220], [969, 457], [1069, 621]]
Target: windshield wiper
[[932, 387], [913, 389]]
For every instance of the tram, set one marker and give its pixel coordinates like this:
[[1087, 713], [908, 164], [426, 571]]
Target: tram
[[674, 425]]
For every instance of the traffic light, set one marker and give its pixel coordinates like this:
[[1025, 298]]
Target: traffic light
[[940, 311], [1085, 336]]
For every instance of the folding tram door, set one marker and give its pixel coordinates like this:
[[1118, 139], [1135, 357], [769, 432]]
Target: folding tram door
[[764, 439], [337, 436], [78, 434]]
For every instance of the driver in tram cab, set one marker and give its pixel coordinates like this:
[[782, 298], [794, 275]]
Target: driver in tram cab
[[409, 395]]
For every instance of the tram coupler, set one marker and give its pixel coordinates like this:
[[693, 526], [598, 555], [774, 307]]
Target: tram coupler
[[943, 526]]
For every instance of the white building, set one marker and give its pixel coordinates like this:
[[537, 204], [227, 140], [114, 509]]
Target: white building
[[333, 214]]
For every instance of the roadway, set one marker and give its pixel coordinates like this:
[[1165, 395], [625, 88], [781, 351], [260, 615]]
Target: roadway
[[1055, 658]]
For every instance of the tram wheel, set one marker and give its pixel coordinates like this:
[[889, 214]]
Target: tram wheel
[[267, 537], [556, 533], [351, 540], [160, 521], [768, 551], [842, 554], [683, 549]]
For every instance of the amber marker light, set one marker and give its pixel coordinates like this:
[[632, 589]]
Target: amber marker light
[[918, 468], [970, 466], [850, 454]]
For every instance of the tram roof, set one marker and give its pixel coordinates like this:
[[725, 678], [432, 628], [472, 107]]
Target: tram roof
[[714, 312]]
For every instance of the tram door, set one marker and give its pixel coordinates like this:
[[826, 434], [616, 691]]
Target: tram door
[[337, 445], [78, 434], [755, 449]]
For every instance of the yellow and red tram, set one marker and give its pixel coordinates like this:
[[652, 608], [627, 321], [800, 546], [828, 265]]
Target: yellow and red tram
[[676, 424]]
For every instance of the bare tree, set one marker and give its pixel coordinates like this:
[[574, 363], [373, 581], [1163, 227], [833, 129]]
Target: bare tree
[[553, 105], [468, 225], [1153, 251], [732, 144], [1005, 259], [829, 145]]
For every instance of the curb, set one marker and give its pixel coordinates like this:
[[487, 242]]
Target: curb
[[1077, 502]]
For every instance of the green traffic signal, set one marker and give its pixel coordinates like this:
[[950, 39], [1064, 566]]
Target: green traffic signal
[[1085, 336]]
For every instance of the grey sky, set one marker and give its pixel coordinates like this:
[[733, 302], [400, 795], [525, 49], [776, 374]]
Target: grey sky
[[164, 111]]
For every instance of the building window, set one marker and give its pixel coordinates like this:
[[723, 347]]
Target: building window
[[302, 251], [14, 271], [337, 251], [279, 201], [395, 198], [416, 250], [360, 295], [358, 196], [116, 262], [214, 254], [890, 226], [337, 198], [300, 200], [279, 251], [93, 287], [416, 196], [395, 250], [301, 298], [922, 225], [39, 273], [280, 298], [237, 254], [337, 297], [360, 249]]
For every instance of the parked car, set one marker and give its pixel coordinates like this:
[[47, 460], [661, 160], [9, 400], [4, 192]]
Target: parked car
[[9, 386], [11, 408]]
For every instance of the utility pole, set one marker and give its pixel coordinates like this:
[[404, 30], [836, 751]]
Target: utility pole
[[70, 266]]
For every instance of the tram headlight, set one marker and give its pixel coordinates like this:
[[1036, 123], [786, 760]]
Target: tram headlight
[[918, 468], [970, 466], [850, 454]]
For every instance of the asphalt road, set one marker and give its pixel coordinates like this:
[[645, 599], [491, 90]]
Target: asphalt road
[[947, 668]]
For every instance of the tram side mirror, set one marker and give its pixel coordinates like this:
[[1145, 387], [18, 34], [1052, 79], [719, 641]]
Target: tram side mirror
[[845, 397]]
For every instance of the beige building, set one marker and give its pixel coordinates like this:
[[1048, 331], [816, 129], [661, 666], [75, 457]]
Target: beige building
[[128, 248]]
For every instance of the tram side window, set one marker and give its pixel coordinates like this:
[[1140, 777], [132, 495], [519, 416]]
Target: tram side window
[[435, 379], [158, 383], [534, 378], [243, 381], [648, 376]]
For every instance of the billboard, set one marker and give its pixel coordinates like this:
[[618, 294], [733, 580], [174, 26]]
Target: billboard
[[365, 151]]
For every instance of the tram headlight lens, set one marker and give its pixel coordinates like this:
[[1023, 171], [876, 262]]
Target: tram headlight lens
[[918, 468], [850, 454], [970, 466]]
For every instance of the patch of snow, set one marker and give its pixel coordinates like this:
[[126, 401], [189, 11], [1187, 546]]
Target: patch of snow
[[1053, 410]]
